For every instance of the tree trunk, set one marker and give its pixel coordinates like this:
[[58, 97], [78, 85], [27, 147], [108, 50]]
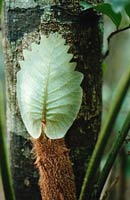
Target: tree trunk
[[23, 23]]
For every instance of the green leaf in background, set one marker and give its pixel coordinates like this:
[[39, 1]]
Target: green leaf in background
[[118, 5], [127, 9], [115, 148], [105, 133], [104, 8]]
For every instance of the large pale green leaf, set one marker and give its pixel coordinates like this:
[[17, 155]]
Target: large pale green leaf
[[48, 89]]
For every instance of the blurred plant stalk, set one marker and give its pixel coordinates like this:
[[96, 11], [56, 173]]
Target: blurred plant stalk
[[4, 162], [113, 153], [105, 132]]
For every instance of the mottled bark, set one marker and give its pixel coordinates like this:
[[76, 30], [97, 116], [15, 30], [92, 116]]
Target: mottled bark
[[23, 23]]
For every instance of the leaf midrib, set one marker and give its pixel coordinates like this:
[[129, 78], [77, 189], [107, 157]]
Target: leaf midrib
[[45, 95], [46, 88]]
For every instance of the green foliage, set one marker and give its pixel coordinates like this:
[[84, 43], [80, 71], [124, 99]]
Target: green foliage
[[127, 9], [104, 67], [112, 154], [118, 5], [109, 9], [104, 8], [104, 135]]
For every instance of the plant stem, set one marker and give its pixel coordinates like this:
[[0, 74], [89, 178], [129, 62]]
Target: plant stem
[[104, 135], [4, 166], [112, 155]]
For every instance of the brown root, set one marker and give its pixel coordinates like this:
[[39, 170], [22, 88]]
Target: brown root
[[55, 169]]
